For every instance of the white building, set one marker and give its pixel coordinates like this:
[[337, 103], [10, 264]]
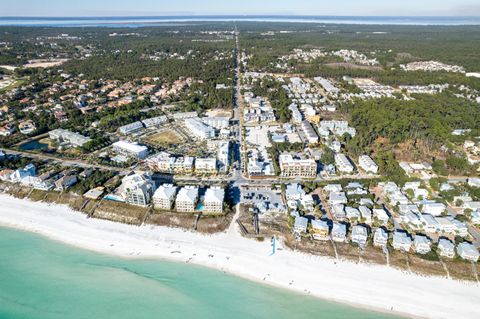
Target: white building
[[300, 225], [187, 199], [474, 182], [164, 197], [380, 238], [291, 167], [401, 241], [367, 164], [381, 216], [467, 251], [130, 149], [337, 198], [67, 137], [343, 164], [213, 200], [339, 232], [309, 132], [446, 248], [131, 128], [223, 156], [217, 122], [352, 213], [366, 214], [430, 224], [199, 129], [359, 235], [434, 209], [206, 165], [137, 189], [422, 244], [297, 116], [23, 173], [445, 225], [155, 121]]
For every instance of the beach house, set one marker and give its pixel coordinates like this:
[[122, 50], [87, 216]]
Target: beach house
[[380, 216], [359, 235], [300, 225], [446, 248], [365, 214], [339, 233], [401, 241], [353, 214], [320, 229], [467, 251], [380, 237], [422, 244], [338, 212]]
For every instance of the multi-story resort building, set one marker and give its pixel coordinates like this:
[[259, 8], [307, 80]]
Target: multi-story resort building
[[223, 156], [131, 128], [130, 149], [206, 165], [155, 121], [213, 200], [167, 163], [187, 199], [67, 137], [137, 189], [199, 129], [291, 167], [164, 197], [217, 122]]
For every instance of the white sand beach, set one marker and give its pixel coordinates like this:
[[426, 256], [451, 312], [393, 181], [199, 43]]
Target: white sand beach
[[369, 286]]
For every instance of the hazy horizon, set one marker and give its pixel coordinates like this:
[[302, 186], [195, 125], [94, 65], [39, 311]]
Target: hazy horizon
[[152, 8]]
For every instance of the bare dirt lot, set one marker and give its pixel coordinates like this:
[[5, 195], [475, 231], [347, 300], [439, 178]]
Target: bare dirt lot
[[166, 137]]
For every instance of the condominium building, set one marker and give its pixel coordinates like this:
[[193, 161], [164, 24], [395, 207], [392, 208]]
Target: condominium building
[[187, 199], [131, 128], [223, 156], [309, 132], [137, 189], [206, 165], [297, 116], [217, 122], [199, 129], [155, 121], [67, 137], [161, 162], [213, 200], [367, 164], [291, 167], [164, 197], [130, 149], [343, 164]]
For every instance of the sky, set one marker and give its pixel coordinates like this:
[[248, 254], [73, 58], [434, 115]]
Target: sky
[[76, 8]]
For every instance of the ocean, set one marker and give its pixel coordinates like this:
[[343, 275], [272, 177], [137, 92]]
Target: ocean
[[172, 20], [40, 278]]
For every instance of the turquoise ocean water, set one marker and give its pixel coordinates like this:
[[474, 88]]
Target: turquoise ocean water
[[40, 278]]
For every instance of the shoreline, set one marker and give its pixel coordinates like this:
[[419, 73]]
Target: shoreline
[[380, 288]]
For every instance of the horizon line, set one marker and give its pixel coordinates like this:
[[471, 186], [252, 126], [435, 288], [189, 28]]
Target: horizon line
[[240, 15]]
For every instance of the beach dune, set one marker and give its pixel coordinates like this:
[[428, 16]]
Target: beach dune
[[370, 286]]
